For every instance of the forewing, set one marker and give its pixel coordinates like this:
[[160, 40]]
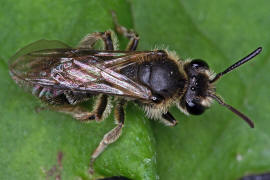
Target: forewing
[[85, 70], [24, 65], [90, 75]]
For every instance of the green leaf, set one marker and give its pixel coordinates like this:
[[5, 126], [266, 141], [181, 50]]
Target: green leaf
[[215, 145]]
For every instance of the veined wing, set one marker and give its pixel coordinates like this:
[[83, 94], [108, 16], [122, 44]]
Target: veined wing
[[23, 66], [78, 70]]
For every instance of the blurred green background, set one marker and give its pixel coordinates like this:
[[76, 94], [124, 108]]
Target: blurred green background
[[215, 145]]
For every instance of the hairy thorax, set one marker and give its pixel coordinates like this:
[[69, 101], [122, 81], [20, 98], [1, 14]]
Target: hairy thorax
[[163, 77]]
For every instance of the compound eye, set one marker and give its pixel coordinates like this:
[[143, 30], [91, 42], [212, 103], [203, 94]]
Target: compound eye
[[198, 63], [194, 107]]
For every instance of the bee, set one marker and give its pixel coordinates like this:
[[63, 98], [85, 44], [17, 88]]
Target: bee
[[62, 77]]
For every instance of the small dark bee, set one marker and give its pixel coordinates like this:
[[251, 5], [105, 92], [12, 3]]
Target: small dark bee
[[63, 77]]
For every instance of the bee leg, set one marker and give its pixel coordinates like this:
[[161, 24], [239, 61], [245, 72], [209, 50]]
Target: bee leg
[[76, 97], [90, 40], [77, 112], [101, 109], [168, 119], [128, 33], [112, 135]]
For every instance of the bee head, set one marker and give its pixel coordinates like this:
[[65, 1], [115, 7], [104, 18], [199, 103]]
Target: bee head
[[195, 97], [200, 89]]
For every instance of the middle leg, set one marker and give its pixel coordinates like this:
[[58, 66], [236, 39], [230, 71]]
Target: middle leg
[[102, 108], [128, 33], [90, 40], [112, 135]]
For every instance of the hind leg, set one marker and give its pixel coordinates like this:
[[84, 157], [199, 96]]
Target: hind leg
[[101, 110], [67, 102]]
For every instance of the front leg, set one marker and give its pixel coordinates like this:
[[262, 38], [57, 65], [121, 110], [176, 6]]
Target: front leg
[[168, 119], [112, 135]]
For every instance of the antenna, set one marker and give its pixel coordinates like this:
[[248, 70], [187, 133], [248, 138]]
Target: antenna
[[237, 64], [235, 111]]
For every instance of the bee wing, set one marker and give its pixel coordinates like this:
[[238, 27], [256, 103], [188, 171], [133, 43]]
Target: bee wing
[[37, 46], [76, 69], [23, 65], [99, 78]]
